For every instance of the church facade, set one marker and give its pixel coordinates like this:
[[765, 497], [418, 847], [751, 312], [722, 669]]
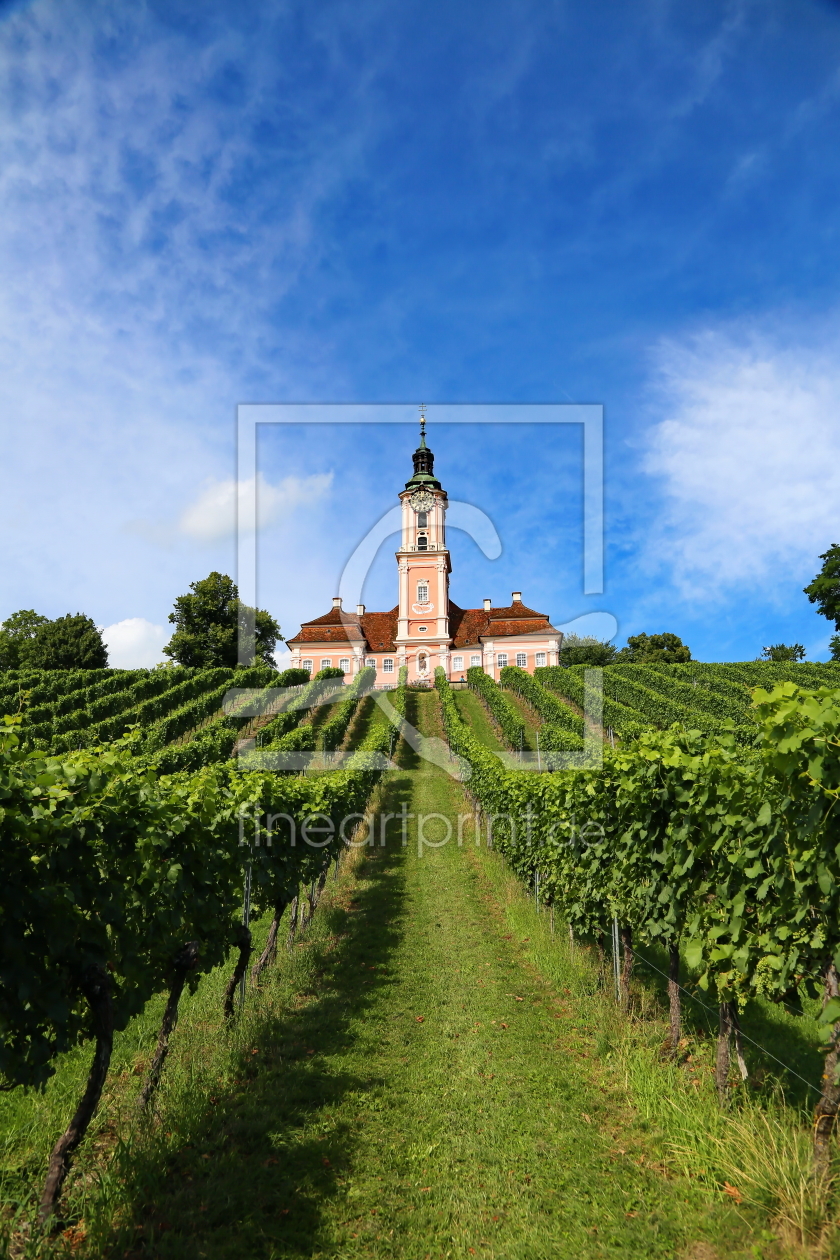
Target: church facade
[[426, 628]]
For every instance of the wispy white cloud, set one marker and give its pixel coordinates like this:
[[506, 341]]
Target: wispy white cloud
[[747, 448], [213, 515], [135, 643]]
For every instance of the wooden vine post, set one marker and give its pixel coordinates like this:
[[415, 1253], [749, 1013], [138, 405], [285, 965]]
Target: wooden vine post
[[674, 1009], [825, 1117]]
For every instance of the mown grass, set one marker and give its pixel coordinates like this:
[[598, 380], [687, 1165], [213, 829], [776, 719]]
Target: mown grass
[[532, 721], [478, 719]]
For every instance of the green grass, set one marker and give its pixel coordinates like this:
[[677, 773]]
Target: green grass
[[431, 1073], [477, 718], [531, 719]]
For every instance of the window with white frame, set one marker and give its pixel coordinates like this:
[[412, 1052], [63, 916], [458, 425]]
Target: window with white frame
[[325, 662], [388, 665], [306, 665], [457, 662], [521, 659], [344, 664], [371, 662], [475, 660], [539, 659], [501, 659], [422, 542], [422, 592]]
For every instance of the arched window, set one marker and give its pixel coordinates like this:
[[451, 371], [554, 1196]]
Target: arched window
[[422, 542], [306, 665], [422, 663]]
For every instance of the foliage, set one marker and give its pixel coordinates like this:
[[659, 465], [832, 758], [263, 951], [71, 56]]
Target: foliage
[[783, 652], [736, 850], [333, 731], [570, 683], [71, 642], [655, 647], [17, 634], [824, 591], [586, 650], [549, 707], [108, 864], [504, 715], [208, 624], [103, 866], [834, 644]]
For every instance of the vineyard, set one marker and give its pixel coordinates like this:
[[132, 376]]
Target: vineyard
[[151, 818]]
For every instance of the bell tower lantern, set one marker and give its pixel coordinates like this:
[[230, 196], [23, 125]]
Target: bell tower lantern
[[424, 567]]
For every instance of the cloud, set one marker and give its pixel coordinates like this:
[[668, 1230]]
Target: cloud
[[135, 643], [747, 449], [213, 514]]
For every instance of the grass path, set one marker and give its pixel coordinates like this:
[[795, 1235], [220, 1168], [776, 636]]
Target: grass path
[[476, 716], [427, 1095], [529, 717]]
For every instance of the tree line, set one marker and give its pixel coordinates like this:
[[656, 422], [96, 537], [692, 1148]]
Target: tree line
[[208, 624]]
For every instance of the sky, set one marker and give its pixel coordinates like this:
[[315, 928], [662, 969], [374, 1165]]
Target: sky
[[508, 201]]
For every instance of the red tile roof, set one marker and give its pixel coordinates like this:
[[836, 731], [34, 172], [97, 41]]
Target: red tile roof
[[376, 630], [380, 628], [469, 625]]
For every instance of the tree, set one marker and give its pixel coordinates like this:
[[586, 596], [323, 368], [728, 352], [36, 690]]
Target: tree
[[643, 648], [783, 652], [208, 625], [71, 642], [17, 633], [824, 591], [586, 650], [834, 644]]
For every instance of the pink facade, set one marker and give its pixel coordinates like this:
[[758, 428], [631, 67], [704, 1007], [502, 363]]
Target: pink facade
[[426, 628]]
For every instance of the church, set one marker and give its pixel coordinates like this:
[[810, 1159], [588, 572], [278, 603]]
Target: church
[[426, 628]]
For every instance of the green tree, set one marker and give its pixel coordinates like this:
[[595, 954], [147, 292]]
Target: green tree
[[71, 642], [586, 650], [17, 634], [834, 644], [208, 624], [642, 648], [783, 652], [824, 591]]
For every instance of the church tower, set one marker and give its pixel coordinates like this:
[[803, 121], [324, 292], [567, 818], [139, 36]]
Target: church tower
[[426, 628], [422, 639]]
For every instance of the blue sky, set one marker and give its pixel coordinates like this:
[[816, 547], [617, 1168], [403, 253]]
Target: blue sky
[[635, 205]]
